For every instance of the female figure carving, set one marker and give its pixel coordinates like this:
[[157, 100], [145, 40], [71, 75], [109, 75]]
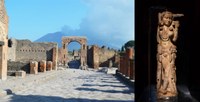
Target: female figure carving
[[167, 34]]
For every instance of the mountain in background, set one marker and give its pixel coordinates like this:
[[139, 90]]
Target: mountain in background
[[52, 37], [57, 37]]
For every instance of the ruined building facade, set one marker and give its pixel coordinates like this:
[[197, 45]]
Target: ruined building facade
[[101, 57], [21, 52], [16, 54]]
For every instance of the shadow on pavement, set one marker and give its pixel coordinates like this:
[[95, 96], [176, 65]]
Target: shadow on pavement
[[107, 91], [38, 98]]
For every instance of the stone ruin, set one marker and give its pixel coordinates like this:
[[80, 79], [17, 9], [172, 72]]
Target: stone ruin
[[32, 56], [83, 52], [33, 67], [23, 56], [102, 57], [91, 56], [49, 65], [43, 66], [3, 41], [127, 63]]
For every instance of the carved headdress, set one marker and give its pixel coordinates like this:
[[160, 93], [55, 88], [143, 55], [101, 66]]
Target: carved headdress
[[161, 15], [170, 14]]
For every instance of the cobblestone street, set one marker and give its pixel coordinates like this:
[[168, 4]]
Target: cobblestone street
[[70, 85]]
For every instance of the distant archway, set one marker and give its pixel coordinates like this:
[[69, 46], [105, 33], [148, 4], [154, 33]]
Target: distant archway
[[73, 57], [83, 50]]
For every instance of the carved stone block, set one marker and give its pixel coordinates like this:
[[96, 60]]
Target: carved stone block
[[33, 67], [49, 65], [43, 66], [21, 74]]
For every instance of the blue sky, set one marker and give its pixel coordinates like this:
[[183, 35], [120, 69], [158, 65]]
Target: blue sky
[[108, 20]]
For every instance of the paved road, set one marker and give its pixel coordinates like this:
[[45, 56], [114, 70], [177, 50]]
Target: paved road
[[70, 85]]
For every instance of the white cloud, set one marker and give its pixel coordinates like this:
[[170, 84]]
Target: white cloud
[[109, 21]]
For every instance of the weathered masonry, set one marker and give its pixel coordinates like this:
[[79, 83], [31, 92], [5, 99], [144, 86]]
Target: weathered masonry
[[3, 41], [101, 57], [24, 51], [83, 53]]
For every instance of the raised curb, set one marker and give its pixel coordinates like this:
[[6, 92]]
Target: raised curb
[[125, 79]]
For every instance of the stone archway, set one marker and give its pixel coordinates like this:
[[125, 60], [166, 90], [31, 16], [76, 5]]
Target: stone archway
[[83, 52]]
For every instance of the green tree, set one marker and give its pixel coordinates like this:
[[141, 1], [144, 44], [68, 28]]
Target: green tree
[[130, 43]]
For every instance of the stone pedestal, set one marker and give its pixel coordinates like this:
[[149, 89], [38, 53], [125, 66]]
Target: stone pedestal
[[111, 71], [43, 66], [110, 64], [21, 74], [49, 65], [33, 67], [168, 99], [83, 67]]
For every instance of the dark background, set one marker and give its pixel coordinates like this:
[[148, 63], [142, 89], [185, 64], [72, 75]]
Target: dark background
[[188, 48]]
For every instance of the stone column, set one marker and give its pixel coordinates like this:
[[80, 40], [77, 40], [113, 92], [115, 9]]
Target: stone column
[[3, 41], [3, 61], [33, 67], [55, 58], [122, 69], [49, 65], [132, 67], [129, 56], [110, 64], [43, 66], [129, 52], [95, 58], [64, 52]]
